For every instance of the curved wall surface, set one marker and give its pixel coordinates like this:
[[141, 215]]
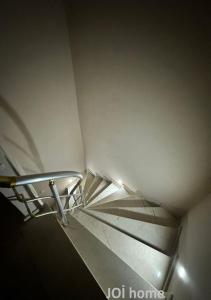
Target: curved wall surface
[[141, 73], [38, 106]]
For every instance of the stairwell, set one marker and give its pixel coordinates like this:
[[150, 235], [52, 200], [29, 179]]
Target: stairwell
[[128, 244], [122, 89], [122, 238]]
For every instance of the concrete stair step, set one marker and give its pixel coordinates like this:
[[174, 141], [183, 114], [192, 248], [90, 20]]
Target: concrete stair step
[[106, 267], [92, 188], [131, 201], [120, 193], [160, 237], [147, 262], [89, 177], [154, 211], [141, 214], [101, 187], [142, 209], [112, 188]]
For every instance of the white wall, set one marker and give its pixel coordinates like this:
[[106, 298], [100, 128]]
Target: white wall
[[38, 109], [191, 279], [141, 72]]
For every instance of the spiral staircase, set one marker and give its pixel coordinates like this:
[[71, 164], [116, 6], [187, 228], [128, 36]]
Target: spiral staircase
[[124, 240]]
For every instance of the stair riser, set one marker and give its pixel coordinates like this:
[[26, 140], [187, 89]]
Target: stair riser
[[103, 185], [112, 188], [93, 187]]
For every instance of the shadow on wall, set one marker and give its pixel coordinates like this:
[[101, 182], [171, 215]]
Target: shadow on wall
[[34, 156]]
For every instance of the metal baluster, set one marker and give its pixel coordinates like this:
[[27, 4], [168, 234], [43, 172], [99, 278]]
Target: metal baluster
[[82, 196], [56, 196], [20, 198]]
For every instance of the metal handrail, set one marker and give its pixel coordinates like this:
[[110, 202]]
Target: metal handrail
[[14, 181]]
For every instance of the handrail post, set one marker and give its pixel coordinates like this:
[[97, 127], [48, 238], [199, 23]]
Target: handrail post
[[55, 194], [26, 180]]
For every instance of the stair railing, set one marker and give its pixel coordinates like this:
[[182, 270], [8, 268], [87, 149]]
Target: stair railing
[[51, 177]]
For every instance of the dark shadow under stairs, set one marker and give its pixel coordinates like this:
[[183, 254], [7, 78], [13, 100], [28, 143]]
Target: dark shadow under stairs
[[39, 262]]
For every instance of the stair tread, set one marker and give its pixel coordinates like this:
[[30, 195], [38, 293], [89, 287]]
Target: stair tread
[[107, 268], [156, 211], [95, 183], [148, 210], [137, 215], [161, 237], [88, 181], [126, 202], [120, 193], [144, 260], [108, 191], [101, 187]]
